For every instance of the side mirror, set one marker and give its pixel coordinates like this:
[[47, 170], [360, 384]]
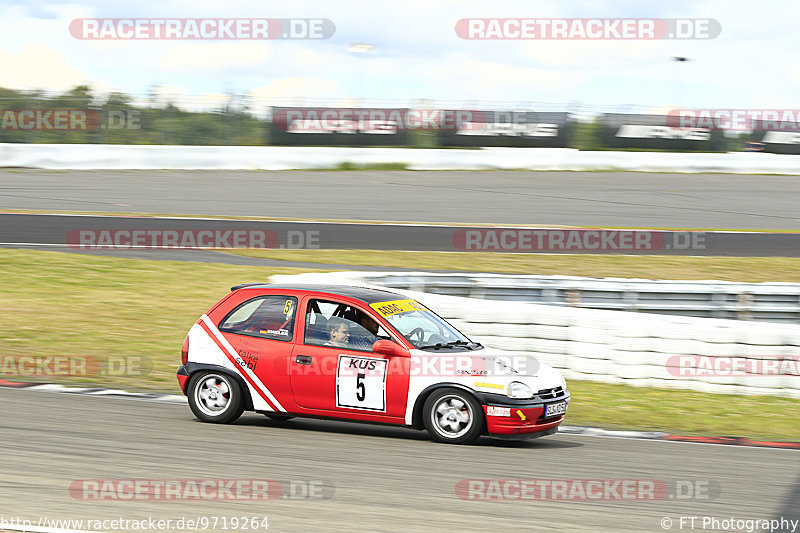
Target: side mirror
[[390, 348]]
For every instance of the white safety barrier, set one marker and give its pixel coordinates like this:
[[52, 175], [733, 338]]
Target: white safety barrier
[[647, 350], [773, 302], [133, 157]]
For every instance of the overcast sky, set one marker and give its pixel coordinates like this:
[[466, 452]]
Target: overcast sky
[[417, 55]]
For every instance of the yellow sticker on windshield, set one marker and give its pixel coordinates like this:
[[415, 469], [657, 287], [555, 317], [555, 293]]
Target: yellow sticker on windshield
[[395, 307]]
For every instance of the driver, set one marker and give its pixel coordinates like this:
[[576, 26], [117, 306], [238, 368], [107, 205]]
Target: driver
[[362, 341], [368, 324], [338, 332]]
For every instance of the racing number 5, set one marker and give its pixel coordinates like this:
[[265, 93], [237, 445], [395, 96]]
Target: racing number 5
[[361, 383], [361, 390]]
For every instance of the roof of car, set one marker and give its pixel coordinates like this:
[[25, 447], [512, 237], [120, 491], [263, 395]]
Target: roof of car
[[365, 294]]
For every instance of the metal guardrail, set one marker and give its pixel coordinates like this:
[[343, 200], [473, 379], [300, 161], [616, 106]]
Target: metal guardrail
[[773, 302]]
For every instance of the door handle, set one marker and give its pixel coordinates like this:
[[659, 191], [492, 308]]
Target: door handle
[[304, 359]]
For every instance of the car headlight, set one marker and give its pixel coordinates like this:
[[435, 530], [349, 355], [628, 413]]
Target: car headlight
[[518, 389]]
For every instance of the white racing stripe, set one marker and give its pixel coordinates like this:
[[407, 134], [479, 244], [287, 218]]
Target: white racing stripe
[[240, 367]]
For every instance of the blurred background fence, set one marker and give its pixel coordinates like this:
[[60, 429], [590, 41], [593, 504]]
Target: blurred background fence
[[239, 120]]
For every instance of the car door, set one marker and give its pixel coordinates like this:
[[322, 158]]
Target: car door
[[261, 330], [348, 379]]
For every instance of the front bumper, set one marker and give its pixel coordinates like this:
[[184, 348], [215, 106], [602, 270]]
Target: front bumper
[[524, 436], [520, 419]]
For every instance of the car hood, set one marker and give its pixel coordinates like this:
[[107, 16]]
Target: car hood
[[487, 370]]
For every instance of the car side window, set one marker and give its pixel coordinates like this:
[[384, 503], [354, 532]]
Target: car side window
[[271, 317], [341, 325]]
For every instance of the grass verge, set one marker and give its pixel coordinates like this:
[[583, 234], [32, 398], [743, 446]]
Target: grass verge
[[347, 165], [107, 308], [683, 412], [742, 269]]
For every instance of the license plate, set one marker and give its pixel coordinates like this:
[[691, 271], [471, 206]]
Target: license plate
[[555, 409]]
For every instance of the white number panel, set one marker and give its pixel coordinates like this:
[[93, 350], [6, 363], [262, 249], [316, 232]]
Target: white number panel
[[361, 383]]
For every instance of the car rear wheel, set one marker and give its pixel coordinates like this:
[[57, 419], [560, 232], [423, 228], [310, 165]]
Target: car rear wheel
[[453, 416], [215, 397]]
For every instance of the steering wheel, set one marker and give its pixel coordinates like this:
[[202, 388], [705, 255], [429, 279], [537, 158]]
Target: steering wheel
[[419, 332]]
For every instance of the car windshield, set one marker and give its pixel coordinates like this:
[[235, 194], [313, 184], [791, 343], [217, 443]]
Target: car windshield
[[423, 328]]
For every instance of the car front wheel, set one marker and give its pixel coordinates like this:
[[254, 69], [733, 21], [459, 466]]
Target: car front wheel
[[453, 416], [215, 397]]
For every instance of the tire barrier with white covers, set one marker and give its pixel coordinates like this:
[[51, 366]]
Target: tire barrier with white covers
[[619, 346], [773, 302], [175, 157]]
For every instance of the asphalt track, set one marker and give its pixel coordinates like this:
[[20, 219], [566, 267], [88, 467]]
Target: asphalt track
[[610, 199], [61, 231], [375, 478]]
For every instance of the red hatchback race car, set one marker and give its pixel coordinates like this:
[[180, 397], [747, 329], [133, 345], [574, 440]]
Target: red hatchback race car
[[361, 354]]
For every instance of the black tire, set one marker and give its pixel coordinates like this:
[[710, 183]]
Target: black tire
[[215, 397], [457, 404], [278, 417]]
